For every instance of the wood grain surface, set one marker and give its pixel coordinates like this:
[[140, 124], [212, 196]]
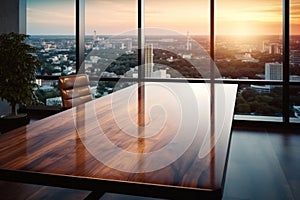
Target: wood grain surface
[[102, 139]]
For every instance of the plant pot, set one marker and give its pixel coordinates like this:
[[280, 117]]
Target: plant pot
[[8, 122]]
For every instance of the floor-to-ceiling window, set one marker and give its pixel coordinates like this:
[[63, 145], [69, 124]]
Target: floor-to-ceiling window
[[294, 70], [51, 26], [248, 48]]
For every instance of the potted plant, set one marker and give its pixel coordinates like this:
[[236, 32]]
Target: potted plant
[[17, 77]]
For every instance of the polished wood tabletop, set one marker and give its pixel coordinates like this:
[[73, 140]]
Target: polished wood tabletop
[[159, 144]]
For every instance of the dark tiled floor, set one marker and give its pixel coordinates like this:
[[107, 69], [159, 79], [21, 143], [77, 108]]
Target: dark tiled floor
[[17, 191], [263, 164]]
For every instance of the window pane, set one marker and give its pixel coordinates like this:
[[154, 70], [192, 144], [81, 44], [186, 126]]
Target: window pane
[[178, 45], [294, 61], [264, 101], [110, 38], [110, 43], [48, 93], [248, 36], [295, 41], [249, 46], [51, 25]]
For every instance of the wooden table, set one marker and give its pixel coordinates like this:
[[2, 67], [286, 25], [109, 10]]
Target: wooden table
[[100, 146]]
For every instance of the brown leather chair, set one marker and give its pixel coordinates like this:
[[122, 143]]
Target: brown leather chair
[[74, 89]]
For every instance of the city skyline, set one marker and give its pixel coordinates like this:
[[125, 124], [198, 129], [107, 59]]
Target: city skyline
[[116, 17]]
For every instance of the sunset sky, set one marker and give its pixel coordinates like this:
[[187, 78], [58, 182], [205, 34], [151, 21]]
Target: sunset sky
[[233, 17]]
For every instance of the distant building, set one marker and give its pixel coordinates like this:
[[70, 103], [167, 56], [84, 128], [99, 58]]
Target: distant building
[[187, 56], [38, 81], [246, 58], [148, 60], [265, 46], [108, 74], [275, 48], [119, 43], [273, 71], [94, 59], [295, 57], [133, 72], [54, 101], [128, 43], [94, 37], [188, 42]]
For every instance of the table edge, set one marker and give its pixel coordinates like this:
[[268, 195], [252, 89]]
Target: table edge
[[109, 185]]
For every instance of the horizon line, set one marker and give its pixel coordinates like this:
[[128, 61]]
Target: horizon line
[[242, 35]]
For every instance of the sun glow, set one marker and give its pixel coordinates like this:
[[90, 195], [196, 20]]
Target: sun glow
[[248, 17], [239, 28], [232, 17]]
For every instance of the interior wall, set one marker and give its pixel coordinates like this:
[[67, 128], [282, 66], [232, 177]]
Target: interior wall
[[10, 22], [9, 16]]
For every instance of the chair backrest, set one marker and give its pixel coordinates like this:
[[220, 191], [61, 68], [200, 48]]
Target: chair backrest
[[74, 89]]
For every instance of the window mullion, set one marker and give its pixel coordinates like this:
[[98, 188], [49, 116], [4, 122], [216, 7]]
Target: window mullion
[[286, 50], [80, 32]]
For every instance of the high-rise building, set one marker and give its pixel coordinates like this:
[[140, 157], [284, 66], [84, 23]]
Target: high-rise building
[[188, 42], [265, 45], [95, 35], [128, 42], [148, 60], [274, 48], [273, 71]]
